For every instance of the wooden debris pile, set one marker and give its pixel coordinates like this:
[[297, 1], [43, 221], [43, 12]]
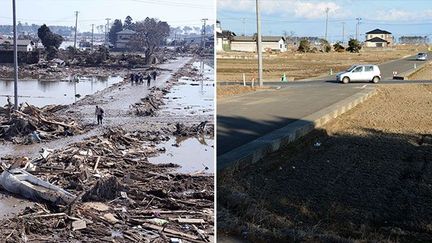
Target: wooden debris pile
[[29, 124], [150, 104], [204, 128], [121, 196]]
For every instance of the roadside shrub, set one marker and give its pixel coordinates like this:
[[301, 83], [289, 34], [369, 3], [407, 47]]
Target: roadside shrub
[[304, 46], [325, 46], [354, 46], [338, 47]]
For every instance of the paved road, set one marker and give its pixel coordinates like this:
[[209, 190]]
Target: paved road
[[387, 68], [245, 118]]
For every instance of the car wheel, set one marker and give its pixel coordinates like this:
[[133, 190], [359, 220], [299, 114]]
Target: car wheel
[[376, 80], [345, 80]]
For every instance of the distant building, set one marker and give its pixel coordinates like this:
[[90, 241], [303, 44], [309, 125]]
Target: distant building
[[23, 45], [379, 38], [248, 43], [123, 39], [224, 40]]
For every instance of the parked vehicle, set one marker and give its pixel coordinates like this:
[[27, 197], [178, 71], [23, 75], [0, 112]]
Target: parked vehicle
[[362, 72], [422, 56]]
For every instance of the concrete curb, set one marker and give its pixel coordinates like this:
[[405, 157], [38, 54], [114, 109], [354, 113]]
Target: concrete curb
[[254, 151], [405, 75]]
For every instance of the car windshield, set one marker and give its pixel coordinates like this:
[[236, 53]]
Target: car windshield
[[422, 54], [351, 68]]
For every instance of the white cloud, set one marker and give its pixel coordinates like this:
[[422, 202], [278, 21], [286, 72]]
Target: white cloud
[[311, 10], [302, 9], [392, 15], [401, 15]]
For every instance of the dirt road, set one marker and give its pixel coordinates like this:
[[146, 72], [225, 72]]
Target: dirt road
[[364, 176]]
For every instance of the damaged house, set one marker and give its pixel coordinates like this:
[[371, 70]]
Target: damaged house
[[7, 47]]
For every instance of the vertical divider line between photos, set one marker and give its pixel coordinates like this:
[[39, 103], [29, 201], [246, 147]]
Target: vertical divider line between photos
[[215, 118]]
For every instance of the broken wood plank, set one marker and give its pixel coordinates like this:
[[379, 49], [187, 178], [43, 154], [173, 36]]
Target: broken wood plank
[[174, 232]]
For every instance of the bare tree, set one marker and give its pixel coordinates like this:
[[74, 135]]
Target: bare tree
[[151, 34]]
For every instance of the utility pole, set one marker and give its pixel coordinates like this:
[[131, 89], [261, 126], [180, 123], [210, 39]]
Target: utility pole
[[327, 12], [244, 26], [106, 31], [259, 44], [15, 57], [343, 32], [76, 26], [92, 39], [357, 28], [203, 32]]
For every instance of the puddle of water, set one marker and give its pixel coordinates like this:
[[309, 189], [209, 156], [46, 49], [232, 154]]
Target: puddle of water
[[192, 97], [41, 93], [192, 154], [11, 206]]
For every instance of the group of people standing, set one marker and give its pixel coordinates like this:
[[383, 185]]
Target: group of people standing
[[138, 78]]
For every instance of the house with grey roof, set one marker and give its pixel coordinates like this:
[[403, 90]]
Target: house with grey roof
[[23, 45], [379, 38], [248, 43]]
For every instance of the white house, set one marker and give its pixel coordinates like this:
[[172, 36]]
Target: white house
[[248, 43], [123, 39], [379, 38]]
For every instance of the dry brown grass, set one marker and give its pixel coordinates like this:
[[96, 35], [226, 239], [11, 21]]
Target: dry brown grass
[[232, 90], [232, 65]]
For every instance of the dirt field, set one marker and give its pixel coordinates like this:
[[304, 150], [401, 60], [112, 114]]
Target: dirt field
[[297, 66], [364, 176], [423, 74]]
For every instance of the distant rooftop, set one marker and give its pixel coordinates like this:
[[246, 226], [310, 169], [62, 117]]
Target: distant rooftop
[[126, 31], [376, 39], [378, 31]]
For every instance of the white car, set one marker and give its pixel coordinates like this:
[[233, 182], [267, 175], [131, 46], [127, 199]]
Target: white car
[[421, 56], [362, 72]]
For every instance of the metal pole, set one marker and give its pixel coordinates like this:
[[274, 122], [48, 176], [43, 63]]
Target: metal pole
[[259, 44], [76, 27], [244, 27], [357, 27], [203, 32], [92, 39], [15, 57], [343, 32], [327, 12], [106, 31]]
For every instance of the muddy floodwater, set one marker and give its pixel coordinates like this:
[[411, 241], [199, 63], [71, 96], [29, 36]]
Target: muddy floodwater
[[11, 206], [190, 97], [191, 154], [41, 93]]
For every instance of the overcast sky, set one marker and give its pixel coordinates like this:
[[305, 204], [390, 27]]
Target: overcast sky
[[307, 17], [61, 12]]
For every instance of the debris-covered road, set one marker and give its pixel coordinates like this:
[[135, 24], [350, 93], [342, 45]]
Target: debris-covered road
[[119, 195]]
